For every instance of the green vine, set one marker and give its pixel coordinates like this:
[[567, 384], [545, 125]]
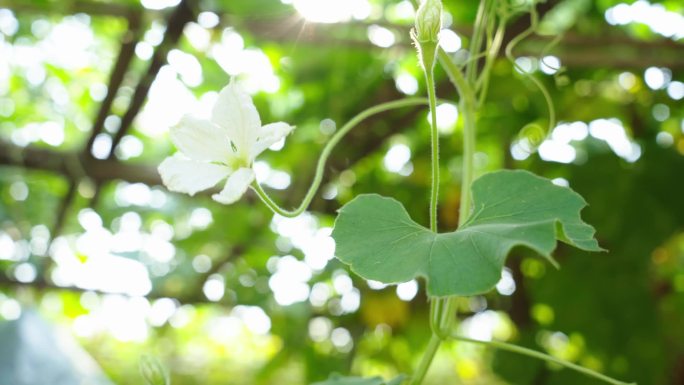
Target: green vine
[[327, 150], [369, 222], [534, 23], [473, 91], [541, 356]]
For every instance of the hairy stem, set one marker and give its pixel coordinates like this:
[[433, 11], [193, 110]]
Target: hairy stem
[[327, 150], [544, 357], [428, 54], [442, 309], [434, 138]]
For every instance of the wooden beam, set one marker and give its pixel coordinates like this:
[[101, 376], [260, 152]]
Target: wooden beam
[[74, 166]]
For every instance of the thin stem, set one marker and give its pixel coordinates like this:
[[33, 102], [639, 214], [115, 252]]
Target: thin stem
[[523, 35], [427, 52], [544, 357], [549, 103], [476, 42], [534, 20], [468, 107], [466, 88], [447, 317], [426, 360], [320, 167], [468, 113], [271, 204], [467, 103], [456, 76], [492, 52], [442, 309], [434, 136]]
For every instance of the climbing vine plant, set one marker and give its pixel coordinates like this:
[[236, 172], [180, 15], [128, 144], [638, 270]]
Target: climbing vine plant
[[375, 235]]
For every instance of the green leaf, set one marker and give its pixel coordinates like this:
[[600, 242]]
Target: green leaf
[[153, 371], [379, 240], [336, 379]]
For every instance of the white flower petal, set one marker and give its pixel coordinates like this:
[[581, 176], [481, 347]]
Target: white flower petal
[[189, 176], [200, 139], [270, 134], [236, 185], [235, 113]]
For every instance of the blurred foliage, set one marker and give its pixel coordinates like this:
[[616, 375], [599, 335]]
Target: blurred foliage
[[216, 313]]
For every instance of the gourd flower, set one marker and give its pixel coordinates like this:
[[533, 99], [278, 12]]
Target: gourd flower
[[428, 21], [425, 35], [223, 147]]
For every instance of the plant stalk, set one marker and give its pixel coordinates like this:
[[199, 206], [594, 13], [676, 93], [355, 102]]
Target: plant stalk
[[476, 42], [542, 356], [327, 150], [434, 140], [468, 111], [442, 309], [428, 52], [426, 360]]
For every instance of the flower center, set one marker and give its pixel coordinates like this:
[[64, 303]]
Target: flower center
[[237, 160]]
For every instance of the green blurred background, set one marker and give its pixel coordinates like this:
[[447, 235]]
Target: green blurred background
[[234, 295]]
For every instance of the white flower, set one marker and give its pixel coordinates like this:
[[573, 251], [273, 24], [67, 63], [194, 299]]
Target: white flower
[[223, 147]]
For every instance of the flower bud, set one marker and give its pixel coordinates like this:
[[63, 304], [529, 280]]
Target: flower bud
[[428, 21], [153, 371]]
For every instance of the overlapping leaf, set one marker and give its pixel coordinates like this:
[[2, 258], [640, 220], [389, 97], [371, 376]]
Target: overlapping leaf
[[379, 240]]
